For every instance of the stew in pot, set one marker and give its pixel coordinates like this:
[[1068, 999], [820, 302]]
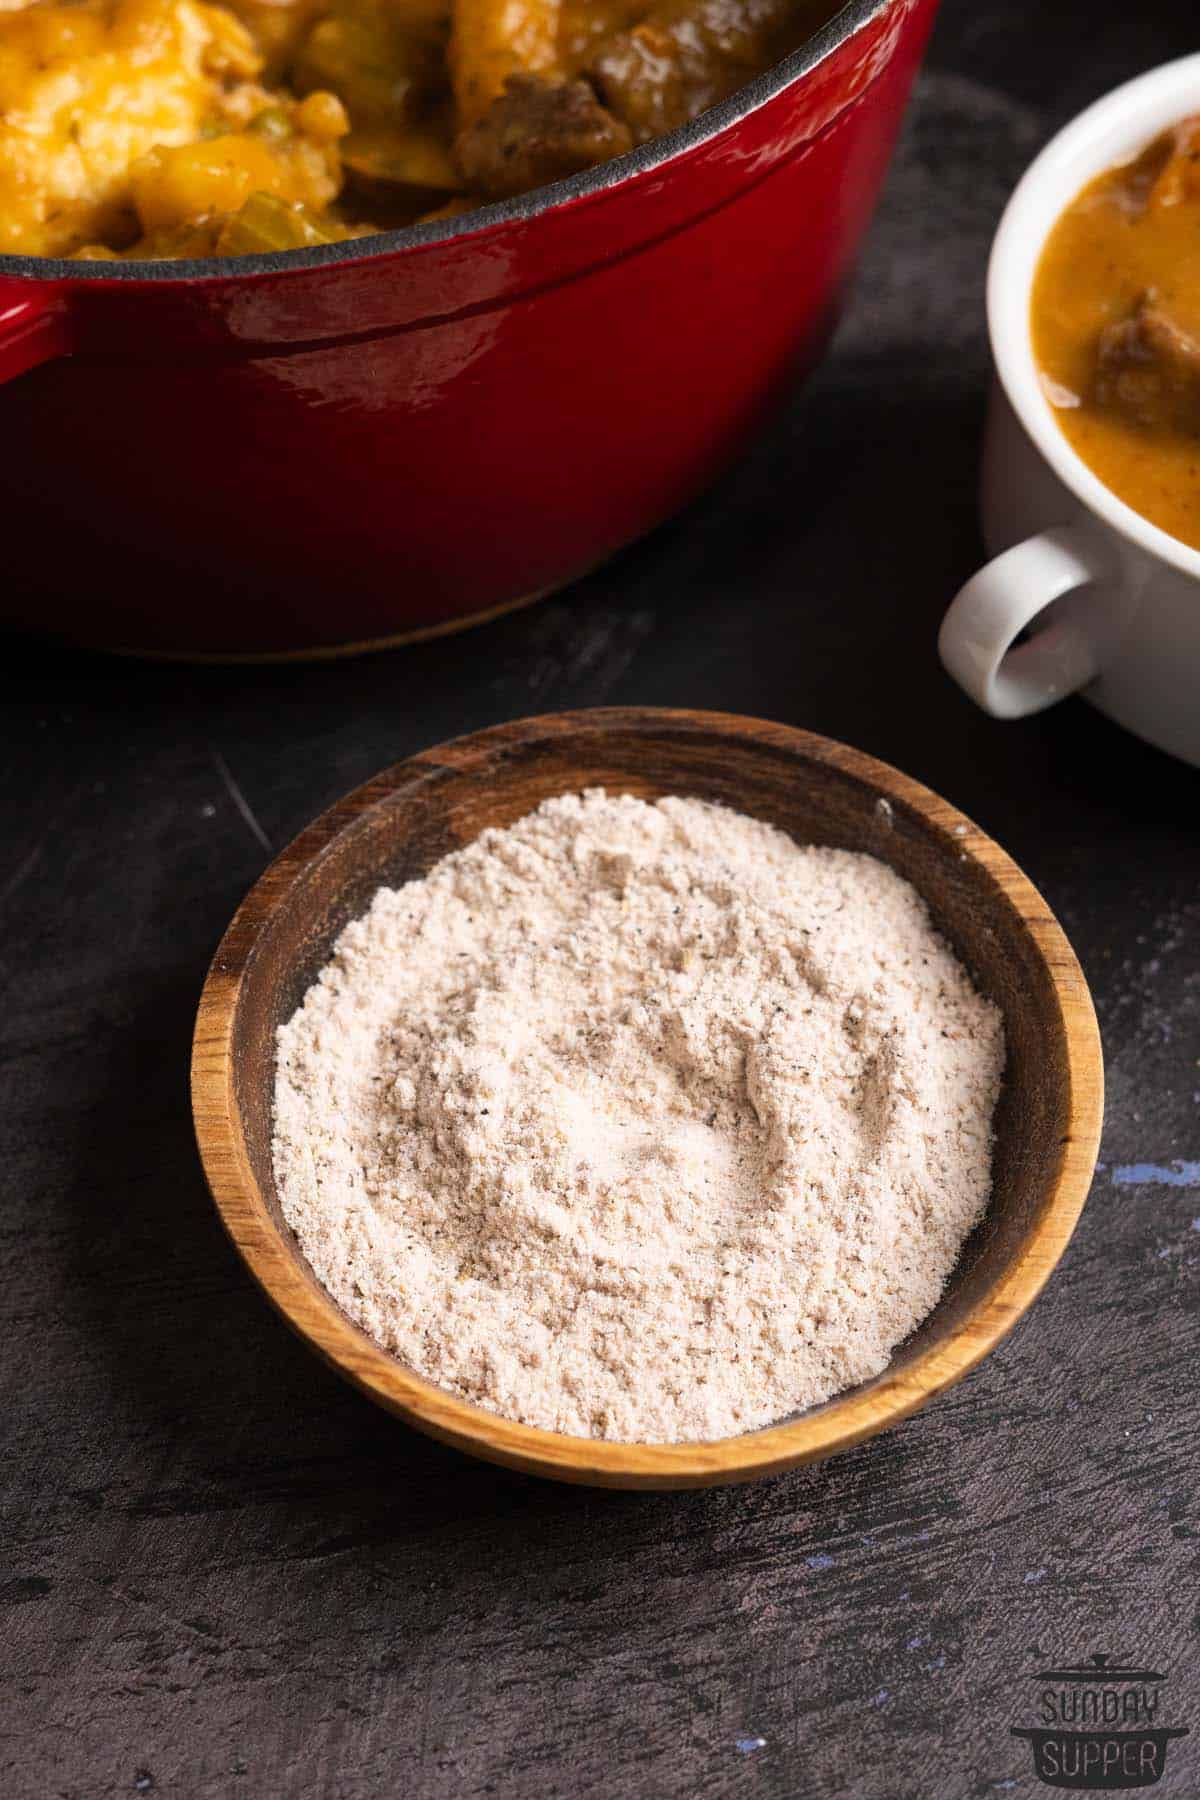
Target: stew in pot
[[167, 128]]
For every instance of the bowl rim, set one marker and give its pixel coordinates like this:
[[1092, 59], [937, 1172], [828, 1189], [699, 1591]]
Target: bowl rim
[[278, 1266], [837, 30], [1111, 131]]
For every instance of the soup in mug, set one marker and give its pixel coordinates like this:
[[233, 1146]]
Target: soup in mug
[[1115, 323]]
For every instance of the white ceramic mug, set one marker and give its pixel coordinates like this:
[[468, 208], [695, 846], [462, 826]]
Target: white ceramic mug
[[1111, 601]]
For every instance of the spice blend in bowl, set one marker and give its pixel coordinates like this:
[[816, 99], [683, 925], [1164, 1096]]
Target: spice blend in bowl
[[822, 797], [639, 1120]]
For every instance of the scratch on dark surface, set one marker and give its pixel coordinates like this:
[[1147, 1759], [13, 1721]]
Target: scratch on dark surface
[[239, 799], [20, 874], [578, 657], [163, 1613], [603, 651], [47, 825]]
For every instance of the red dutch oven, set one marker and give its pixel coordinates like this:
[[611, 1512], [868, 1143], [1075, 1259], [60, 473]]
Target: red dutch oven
[[325, 449]]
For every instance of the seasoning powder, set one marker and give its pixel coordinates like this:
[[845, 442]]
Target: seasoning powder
[[639, 1121]]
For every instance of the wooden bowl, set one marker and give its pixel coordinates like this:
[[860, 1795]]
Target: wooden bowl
[[397, 826]]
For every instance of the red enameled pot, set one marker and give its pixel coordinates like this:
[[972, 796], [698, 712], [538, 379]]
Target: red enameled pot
[[329, 448]]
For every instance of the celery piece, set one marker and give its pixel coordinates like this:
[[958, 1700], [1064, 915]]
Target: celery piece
[[265, 222]]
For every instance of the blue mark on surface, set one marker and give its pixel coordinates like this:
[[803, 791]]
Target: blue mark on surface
[[820, 1561], [748, 1745], [1176, 1174]]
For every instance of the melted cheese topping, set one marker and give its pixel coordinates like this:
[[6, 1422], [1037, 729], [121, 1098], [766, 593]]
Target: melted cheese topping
[[124, 120]]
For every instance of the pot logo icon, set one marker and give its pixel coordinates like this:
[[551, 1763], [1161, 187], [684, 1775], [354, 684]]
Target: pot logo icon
[[1099, 1727]]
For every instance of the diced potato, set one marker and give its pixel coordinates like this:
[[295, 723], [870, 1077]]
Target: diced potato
[[493, 39], [218, 175]]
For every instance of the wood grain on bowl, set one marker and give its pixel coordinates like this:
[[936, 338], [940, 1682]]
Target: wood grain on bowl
[[399, 824]]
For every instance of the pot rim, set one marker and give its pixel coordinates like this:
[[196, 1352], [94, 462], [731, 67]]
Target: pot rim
[[830, 37]]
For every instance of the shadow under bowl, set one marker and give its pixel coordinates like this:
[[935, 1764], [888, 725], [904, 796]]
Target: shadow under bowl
[[398, 825]]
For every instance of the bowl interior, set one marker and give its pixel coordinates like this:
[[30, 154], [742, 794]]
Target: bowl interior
[[400, 824]]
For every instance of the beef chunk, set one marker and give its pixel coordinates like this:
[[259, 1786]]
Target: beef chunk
[[1149, 369], [688, 54], [1178, 180], [538, 130]]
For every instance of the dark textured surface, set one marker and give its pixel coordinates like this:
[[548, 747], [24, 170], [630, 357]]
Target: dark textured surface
[[224, 1573]]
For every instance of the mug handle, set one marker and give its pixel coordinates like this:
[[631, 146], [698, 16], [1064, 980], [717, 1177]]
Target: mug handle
[[984, 618]]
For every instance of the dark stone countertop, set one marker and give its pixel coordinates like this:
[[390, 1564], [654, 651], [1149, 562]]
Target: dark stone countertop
[[225, 1573]]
